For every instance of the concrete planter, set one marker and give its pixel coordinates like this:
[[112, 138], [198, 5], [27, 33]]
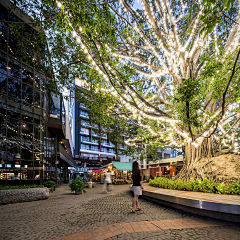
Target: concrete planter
[[23, 195]]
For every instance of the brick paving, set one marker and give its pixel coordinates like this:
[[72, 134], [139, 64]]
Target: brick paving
[[105, 216], [116, 229]]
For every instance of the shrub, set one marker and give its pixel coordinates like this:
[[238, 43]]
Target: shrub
[[20, 187], [196, 185], [77, 185], [49, 184]]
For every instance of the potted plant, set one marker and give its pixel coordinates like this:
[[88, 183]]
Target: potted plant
[[77, 185], [50, 184]]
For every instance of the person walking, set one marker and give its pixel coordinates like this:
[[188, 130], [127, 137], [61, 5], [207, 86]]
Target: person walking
[[108, 180], [137, 186]]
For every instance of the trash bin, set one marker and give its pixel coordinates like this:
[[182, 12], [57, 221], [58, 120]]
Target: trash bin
[[89, 184]]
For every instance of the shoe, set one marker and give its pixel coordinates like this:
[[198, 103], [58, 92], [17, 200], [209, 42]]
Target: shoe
[[132, 211], [138, 209]]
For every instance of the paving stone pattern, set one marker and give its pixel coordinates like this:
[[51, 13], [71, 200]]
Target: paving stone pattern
[[98, 216]]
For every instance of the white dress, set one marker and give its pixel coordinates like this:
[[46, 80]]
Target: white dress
[[108, 177]]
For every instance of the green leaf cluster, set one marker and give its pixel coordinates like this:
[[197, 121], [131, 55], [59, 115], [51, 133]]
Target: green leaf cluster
[[196, 185], [187, 101], [49, 184], [77, 185], [20, 187]]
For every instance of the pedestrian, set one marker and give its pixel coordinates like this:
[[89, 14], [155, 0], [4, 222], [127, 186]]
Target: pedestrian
[[137, 186], [108, 180]]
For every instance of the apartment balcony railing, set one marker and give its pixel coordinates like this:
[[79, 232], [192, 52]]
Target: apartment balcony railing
[[84, 133], [82, 106], [84, 115]]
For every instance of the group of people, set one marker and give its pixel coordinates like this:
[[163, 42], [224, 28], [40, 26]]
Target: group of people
[[136, 187]]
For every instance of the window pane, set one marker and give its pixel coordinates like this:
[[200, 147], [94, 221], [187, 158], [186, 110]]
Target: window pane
[[27, 77], [27, 93], [14, 89], [2, 126], [3, 83], [37, 102], [13, 128], [27, 131]]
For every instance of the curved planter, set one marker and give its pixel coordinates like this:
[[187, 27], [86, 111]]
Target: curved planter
[[23, 195]]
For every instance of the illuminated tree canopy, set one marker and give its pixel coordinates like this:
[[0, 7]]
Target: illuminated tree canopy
[[164, 66]]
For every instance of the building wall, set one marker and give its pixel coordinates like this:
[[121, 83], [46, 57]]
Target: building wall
[[22, 109]]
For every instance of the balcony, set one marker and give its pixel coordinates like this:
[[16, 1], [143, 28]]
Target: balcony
[[95, 134], [95, 126], [84, 133], [86, 124], [104, 136], [81, 105], [84, 115]]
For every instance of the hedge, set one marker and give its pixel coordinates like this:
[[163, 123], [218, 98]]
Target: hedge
[[20, 187], [196, 185]]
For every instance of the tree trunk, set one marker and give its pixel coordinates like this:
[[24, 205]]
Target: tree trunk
[[193, 154], [193, 169]]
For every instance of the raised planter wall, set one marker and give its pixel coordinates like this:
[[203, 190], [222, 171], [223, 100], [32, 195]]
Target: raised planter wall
[[23, 195]]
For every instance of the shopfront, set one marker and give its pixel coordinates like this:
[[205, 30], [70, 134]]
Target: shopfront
[[165, 167], [120, 172]]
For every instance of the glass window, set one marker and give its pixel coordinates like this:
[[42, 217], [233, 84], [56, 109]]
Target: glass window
[[14, 89], [12, 149], [3, 40], [85, 130], [14, 71], [27, 93], [54, 104], [2, 126], [13, 128], [26, 151], [27, 131], [37, 82], [27, 77], [27, 117], [37, 102], [3, 65], [3, 83]]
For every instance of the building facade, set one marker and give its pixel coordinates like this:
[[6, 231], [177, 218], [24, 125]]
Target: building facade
[[33, 143], [93, 147], [22, 108]]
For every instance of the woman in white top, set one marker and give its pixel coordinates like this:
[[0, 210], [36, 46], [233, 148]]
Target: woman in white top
[[108, 180]]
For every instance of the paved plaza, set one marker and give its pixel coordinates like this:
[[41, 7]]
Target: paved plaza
[[95, 215]]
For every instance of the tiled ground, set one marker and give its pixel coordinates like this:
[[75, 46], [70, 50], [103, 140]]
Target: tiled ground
[[117, 229], [99, 216]]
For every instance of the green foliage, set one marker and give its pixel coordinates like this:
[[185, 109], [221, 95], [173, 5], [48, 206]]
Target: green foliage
[[20, 187], [49, 184], [196, 185], [77, 185], [187, 100], [213, 13]]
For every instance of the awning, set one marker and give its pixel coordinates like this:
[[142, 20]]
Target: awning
[[97, 171], [123, 166]]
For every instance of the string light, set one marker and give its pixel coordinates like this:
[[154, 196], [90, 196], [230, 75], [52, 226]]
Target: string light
[[166, 58]]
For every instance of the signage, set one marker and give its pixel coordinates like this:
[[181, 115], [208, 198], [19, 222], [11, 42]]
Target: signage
[[17, 165]]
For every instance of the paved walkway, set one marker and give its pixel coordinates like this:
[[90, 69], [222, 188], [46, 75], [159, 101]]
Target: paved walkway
[[105, 216], [117, 229]]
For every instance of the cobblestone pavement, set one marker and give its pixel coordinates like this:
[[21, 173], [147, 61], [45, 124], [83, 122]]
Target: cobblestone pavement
[[66, 214]]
